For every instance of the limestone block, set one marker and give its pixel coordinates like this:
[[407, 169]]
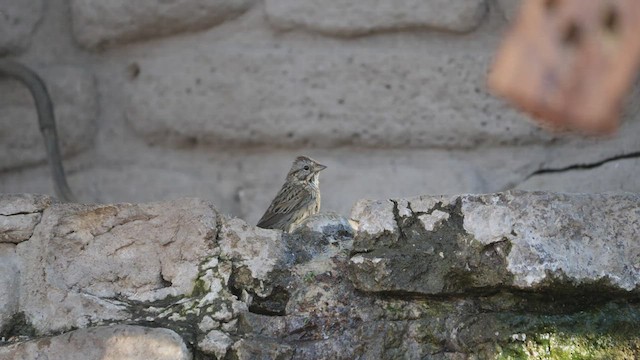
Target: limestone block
[[19, 215], [374, 220], [238, 242], [15, 204], [216, 343], [98, 23], [74, 98], [18, 228], [103, 343], [303, 97], [18, 21], [9, 283], [358, 17], [87, 263], [513, 240]]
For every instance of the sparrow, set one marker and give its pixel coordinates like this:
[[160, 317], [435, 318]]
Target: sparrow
[[298, 198]]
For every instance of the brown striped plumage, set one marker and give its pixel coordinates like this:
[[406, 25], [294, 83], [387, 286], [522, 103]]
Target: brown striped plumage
[[298, 198]]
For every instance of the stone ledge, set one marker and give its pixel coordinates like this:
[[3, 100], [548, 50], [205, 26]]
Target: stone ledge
[[439, 245], [232, 290]]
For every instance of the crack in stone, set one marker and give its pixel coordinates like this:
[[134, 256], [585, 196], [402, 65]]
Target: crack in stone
[[125, 221], [219, 221], [587, 166], [123, 247], [22, 213], [575, 167], [396, 215]]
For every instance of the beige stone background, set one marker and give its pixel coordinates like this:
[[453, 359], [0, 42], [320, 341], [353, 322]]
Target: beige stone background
[[158, 99]]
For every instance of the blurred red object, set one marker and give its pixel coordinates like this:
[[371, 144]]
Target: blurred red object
[[569, 63]]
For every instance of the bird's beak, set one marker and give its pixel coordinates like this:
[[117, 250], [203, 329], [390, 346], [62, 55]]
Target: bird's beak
[[320, 167]]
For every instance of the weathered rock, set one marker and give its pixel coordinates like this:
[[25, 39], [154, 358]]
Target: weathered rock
[[9, 284], [238, 241], [103, 343], [89, 263], [18, 21], [19, 215], [328, 224], [374, 222], [311, 308], [16, 204], [261, 262], [215, 343], [514, 240], [97, 23], [354, 17], [262, 349], [230, 96], [74, 98], [324, 228], [18, 228]]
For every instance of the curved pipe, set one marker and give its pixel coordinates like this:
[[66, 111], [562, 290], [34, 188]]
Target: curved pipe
[[46, 119]]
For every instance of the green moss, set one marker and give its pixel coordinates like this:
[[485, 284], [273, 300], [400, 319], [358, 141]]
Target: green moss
[[561, 346], [199, 288], [18, 325], [437, 309], [610, 331], [309, 277], [431, 333]]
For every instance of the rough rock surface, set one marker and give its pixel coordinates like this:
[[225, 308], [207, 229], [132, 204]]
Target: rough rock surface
[[358, 17], [9, 283], [230, 290], [515, 240], [98, 23], [18, 21], [19, 215], [329, 225], [103, 343], [216, 343], [91, 261], [74, 97]]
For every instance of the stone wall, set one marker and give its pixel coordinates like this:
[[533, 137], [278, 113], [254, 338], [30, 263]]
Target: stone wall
[[512, 275], [214, 99]]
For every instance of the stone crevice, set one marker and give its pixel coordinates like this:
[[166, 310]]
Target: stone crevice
[[582, 166], [123, 222], [398, 219]]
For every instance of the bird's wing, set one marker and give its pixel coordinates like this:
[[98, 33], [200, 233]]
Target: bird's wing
[[288, 200]]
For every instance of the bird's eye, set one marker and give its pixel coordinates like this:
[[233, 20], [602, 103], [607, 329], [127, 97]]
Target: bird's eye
[[306, 167]]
